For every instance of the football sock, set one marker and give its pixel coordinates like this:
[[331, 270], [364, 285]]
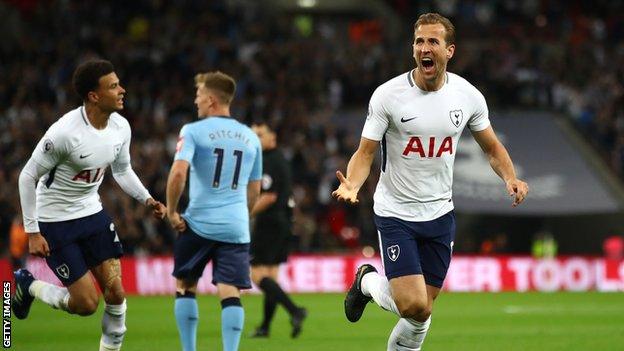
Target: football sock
[[187, 316], [378, 288], [113, 327], [271, 288], [408, 335], [232, 320], [270, 305], [53, 295]]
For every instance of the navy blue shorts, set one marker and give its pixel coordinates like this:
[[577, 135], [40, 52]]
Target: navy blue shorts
[[417, 247], [230, 261], [80, 244]]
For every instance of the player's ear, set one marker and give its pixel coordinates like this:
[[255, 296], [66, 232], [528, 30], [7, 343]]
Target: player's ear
[[450, 50], [92, 96]]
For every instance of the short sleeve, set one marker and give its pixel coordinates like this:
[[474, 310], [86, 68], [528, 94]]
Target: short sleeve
[[377, 118], [185, 148], [256, 171], [480, 119], [52, 148]]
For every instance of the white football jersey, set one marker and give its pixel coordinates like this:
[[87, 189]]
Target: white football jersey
[[77, 155], [419, 131]]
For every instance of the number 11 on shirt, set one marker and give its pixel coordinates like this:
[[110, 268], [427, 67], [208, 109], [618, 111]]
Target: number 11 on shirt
[[217, 177]]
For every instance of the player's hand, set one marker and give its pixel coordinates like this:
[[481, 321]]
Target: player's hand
[[158, 208], [518, 189], [176, 221], [38, 245], [346, 191]]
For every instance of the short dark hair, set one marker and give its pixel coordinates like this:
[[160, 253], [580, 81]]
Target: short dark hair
[[87, 76], [220, 83], [435, 18]]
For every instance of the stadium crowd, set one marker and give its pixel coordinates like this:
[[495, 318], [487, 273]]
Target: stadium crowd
[[299, 72]]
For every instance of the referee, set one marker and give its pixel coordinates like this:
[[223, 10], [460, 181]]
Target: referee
[[271, 234]]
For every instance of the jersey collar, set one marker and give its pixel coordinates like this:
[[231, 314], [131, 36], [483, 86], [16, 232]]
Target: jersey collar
[[84, 115], [410, 78]]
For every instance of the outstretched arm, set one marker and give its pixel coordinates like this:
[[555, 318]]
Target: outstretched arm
[[501, 163], [131, 184], [175, 187], [357, 171]]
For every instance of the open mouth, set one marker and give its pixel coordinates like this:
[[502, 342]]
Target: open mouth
[[427, 64]]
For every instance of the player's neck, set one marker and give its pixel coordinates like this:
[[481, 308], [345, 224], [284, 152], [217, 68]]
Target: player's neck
[[429, 85], [221, 111], [97, 118]]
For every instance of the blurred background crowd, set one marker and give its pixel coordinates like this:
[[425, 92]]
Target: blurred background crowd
[[301, 69]]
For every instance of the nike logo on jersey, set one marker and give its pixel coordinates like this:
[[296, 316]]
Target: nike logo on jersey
[[85, 156], [403, 119]]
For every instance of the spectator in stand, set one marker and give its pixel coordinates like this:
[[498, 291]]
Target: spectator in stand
[[544, 245], [18, 244], [613, 247]]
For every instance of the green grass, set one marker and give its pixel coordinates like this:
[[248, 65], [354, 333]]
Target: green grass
[[504, 321]]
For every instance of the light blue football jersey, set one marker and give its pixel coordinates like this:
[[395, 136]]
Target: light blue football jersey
[[224, 155]]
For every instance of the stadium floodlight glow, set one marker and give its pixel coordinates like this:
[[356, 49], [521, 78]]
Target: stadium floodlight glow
[[306, 3]]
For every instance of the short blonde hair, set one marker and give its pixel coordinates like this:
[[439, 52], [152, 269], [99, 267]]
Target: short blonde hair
[[219, 83], [435, 18]]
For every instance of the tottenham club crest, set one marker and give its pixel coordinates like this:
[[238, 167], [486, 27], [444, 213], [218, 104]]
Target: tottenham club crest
[[112, 229], [456, 117], [63, 271], [393, 252]]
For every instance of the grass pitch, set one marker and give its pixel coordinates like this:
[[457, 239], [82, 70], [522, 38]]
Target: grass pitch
[[502, 321]]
